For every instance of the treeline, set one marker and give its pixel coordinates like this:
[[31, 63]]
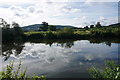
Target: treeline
[[46, 27], [65, 33], [94, 31], [11, 32], [51, 32], [70, 33], [105, 32]]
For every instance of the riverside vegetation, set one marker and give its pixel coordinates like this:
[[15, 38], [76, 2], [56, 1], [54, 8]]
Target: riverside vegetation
[[111, 72], [69, 33], [16, 73], [15, 32]]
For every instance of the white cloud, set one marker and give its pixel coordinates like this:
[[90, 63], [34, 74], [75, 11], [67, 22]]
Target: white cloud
[[24, 2], [69, 9], [101, 18], [84, 17], [15, 2], [31, 9], [113, 20], [27, 12], [6, 14], [80, 18], [102, 1], [76, 10], [80, 21], [40, 11], [108, 21]]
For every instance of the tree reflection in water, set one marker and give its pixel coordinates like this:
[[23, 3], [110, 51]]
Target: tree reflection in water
[[17, 47], [106, 41], [12, 48]]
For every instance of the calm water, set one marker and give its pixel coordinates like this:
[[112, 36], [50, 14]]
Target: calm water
[[69, 59]]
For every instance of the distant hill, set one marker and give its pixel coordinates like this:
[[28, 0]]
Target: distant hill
[[35, 27], [115, 25]]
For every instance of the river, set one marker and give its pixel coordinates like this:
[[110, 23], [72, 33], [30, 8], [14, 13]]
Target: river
[[61, 59]]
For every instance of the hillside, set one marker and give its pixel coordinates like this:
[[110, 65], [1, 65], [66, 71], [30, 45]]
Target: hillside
[[115, 25], [35, 27]]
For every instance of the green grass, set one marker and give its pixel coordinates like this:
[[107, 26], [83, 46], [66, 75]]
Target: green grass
[[10, 72], [111, 71], [69, 33], [34, 32]]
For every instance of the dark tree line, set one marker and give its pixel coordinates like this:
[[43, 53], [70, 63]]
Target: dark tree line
[[98, 25], [10, 32]]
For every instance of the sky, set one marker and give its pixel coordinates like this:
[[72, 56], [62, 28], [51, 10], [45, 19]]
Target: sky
[[77, 13]]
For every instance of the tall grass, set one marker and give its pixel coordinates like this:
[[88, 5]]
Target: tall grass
[[69, 33], [111, 71], [10, 72]]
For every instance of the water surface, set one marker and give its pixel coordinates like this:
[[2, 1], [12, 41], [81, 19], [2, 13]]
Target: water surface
[[69, 59]]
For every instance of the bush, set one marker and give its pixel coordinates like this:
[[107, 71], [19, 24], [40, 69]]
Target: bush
[[65, 33], [16, 73], [111, 71], [105, 32], [49, 35], [36, 36], [69, 33]]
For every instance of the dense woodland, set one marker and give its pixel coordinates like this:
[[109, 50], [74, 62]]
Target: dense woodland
[[13, 32]]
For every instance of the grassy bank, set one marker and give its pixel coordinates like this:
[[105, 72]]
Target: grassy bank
[[69, 33], [17, 33]]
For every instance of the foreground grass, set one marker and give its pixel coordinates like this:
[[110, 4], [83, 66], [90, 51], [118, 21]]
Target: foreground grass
[[10, 72], [110, 72]]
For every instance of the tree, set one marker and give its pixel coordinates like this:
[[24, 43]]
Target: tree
[[66, 32], [14, 24], [51, 28], [17, 30], [10, 34], [91, 26], [98, 25], [86, 27], [44, 26], [4, 24], [7, 33]]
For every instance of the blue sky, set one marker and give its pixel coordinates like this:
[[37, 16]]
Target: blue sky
[[77, 13]]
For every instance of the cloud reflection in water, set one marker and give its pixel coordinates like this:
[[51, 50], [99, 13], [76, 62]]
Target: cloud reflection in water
[[57, 61]]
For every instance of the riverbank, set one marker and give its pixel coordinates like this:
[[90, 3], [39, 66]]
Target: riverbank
[[65, 33], [69, 33]]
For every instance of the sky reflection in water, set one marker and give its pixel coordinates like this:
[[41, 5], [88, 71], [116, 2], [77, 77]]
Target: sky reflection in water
[[57, 61]]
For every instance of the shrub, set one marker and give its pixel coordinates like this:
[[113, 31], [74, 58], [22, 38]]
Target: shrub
[[111, 71], [10, 72], [65, 33], [36, 36], [49, 35]]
